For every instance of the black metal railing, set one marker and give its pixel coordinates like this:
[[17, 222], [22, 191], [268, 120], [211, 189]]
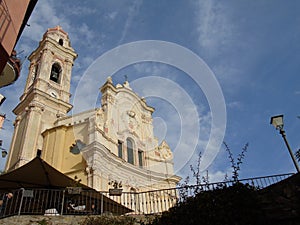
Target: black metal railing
[[76, 201]]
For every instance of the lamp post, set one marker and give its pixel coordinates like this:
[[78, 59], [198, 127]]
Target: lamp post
[[277, 122]]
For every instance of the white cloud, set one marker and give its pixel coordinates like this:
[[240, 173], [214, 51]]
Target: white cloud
[[43, 17], [46, 15], [132, 12], [218, 176], [79, 10], [111, 15], [234, 104], [228, 72], [220, 41], [83, 33], [213, 25], [151, 68]]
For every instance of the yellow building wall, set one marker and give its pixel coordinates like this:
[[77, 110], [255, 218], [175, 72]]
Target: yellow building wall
[[56, 150]]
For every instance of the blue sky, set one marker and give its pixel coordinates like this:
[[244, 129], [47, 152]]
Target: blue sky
[[251, 47]]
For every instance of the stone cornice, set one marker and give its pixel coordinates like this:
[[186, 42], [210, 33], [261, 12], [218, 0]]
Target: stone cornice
[[82, 115], [34, 92], [68, 50], [105, 136], [45, 132]]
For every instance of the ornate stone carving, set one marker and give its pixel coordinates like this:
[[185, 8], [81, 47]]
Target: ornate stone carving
[[131, 113], [165, 150], [146, 119]]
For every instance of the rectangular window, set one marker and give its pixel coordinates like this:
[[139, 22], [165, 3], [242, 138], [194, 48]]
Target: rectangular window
[[120, 149], [130, 155], [140, 155]]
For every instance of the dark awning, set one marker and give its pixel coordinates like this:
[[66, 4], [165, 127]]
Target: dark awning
[[35, 174]]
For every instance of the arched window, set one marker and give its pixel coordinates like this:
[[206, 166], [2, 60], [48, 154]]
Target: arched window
[[55, 72], [61, 42], [130, 157]]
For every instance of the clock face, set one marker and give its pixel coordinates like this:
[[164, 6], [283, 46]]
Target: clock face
[[53, 94]]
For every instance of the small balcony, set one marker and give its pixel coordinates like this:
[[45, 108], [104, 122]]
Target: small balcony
[[11, 71]]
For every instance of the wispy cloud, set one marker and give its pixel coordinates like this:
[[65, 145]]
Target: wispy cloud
[[80, 10], [132, 12], [44, 16], [220, 42], [213, 25], [84, 33], [111, 15], [234, 105]]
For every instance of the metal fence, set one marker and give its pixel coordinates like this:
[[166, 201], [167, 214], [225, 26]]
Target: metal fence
[[257, 182], [76, 201]]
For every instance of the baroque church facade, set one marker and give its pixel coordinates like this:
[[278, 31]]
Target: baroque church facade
[[112, 143]]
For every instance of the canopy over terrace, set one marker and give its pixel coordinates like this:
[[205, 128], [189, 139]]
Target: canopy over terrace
[[37, 174]]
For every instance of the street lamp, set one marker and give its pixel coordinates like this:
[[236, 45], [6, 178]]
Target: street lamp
[[277, 122]]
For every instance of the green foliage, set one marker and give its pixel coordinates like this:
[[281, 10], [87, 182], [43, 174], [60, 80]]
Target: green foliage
[[235, 205], [109, 220], [43, 222]]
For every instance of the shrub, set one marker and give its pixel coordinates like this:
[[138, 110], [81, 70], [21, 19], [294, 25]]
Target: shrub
[[238, 204], [235, 205]]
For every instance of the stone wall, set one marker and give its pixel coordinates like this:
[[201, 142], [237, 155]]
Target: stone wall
[[37, 220], [58, 220]]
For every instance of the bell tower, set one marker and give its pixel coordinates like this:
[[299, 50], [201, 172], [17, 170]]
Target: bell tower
[[46, 95]]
